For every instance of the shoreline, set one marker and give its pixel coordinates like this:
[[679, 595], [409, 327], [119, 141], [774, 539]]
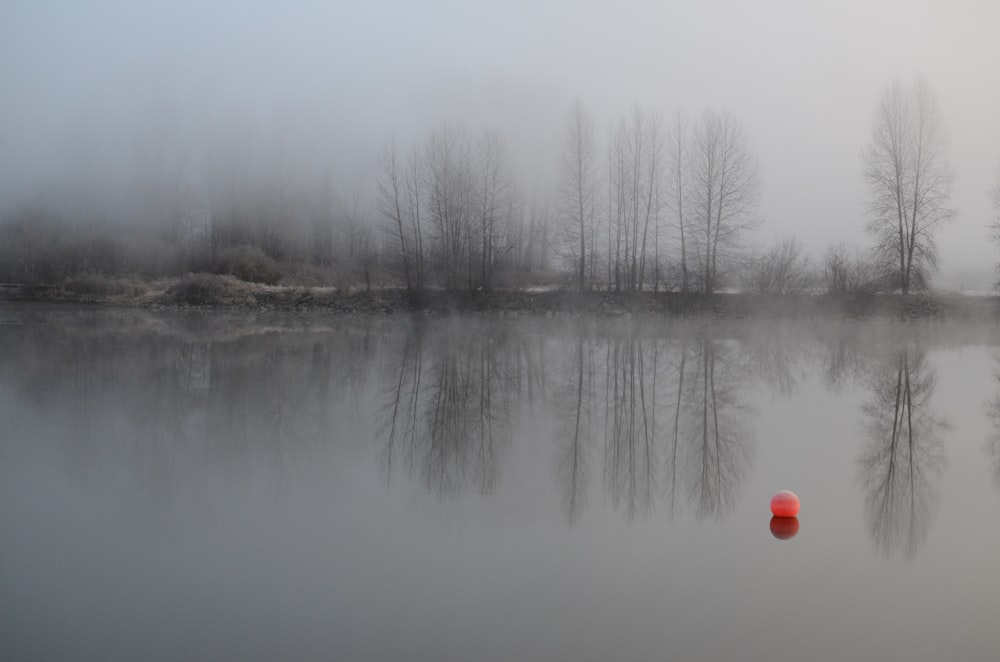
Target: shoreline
[[225, 292]]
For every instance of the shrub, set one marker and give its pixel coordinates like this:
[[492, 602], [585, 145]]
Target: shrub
[[247, 263], [782, 269], [847, 270], [98, 287], [207, 289]]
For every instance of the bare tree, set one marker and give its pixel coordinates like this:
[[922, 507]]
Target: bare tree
[[412, 180], [653, 136], [391, 200], [725, 190], [455, 202], [995, 223], [531, 243], [578, 188], [617, 184], [635, 158], [909, 183], [360, 250], [678, 185], [995, 194], [449, 199], [497, 205]]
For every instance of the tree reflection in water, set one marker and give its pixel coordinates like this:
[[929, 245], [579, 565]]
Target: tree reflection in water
[[777, 357], [665, 418], [671, 423], [654, 423], [575, 434], [675, 430], [718, 438], [993, 413], [449, 413], [905, 456], [843, 363], [630, 444], [183, 397]]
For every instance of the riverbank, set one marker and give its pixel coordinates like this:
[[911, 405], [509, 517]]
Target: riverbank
[[206, 291]]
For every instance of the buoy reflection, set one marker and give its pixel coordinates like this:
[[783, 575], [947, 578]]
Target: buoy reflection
[[784, 528]]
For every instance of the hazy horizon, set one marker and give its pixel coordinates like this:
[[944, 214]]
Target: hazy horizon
[[86, 85]]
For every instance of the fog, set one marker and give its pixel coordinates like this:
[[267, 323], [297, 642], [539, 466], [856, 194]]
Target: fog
[[95, 94]]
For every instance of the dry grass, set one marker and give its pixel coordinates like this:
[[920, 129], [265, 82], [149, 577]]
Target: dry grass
[[211, 290]]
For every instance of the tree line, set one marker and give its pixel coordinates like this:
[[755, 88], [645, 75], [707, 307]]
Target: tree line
[[648, 204], [453, 204], [662, 209]]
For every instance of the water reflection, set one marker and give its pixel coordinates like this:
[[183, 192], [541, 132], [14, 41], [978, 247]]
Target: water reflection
[[631, 441], [718, 435], [778, 358], [784, 528], [661, 423], [237, 469], [667, 417], [993, 414], [647, 420], [903, 463], [448, 415], [843, 362], [188, 393], [576, 409]]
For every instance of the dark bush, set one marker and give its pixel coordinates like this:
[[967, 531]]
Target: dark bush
[[247, 263], [207, 289]]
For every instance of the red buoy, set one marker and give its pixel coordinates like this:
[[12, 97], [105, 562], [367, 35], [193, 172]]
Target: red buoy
[[785, 504]]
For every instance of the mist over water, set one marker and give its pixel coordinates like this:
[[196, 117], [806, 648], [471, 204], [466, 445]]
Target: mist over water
[[208, 484]]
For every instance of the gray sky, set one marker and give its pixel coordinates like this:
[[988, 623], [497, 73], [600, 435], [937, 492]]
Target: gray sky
[[802, 77]]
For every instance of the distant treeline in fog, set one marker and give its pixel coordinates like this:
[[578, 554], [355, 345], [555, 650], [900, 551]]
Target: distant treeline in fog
[[652, 203]]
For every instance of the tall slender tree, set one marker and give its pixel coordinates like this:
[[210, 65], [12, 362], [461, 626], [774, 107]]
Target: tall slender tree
[[995, 223], [497, 206], [725, 189], [635, 156], [577, 188], [909, 183], [391, 200], [449, 184], [677, 188], [412, 182]]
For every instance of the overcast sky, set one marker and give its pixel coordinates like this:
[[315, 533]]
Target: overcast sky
[[802, 76]]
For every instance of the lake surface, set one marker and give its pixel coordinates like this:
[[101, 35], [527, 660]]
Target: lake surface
[[250, 486]]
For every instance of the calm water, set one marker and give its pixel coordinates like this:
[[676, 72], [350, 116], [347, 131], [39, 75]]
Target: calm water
[[215, 486]]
